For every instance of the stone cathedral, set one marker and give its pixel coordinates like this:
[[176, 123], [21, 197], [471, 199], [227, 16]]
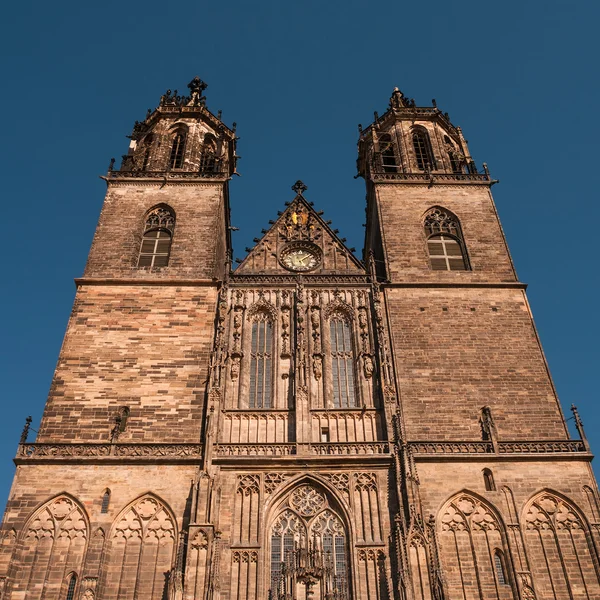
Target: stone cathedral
[[306, 425]]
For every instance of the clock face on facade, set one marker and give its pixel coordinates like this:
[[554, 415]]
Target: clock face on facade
[[300, 258]]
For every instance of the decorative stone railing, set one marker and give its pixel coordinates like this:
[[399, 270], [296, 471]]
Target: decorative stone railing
[[535, 447], [290, 449], [349, 448], [451, 447], [432, 176], [255, 449], [109, 451], [168, 175]]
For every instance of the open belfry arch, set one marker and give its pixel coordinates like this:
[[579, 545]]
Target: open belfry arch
[[308, 424]]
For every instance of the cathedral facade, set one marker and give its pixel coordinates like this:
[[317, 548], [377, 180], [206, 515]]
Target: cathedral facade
[[308, 424]]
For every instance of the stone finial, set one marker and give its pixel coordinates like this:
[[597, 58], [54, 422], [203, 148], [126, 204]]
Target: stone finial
[[25, 431], [299, 187], [196, 87]]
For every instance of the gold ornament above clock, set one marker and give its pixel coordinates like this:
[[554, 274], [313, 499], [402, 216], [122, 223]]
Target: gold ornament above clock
[[300, 257]]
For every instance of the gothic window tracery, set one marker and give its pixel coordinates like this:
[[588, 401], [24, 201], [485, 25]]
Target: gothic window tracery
[[156, 241], [178, 150], [423, 150], [554, 528], [445, 243], [261, 362], [342, 363], [308, 543], [143, 534], [59, 528], [470, 531]]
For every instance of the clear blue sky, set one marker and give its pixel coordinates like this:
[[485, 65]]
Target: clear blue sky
[[520, 78]]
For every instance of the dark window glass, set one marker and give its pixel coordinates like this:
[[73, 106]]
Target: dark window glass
[[177, 151], [342, 367], [388, 154], [499, 566], [105, 502], [71, 587], [488, 480], [423, 151], [260, 365]]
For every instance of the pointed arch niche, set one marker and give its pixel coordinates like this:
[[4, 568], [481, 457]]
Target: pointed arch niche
[[308, 530], [140, 551], [470, 536], [561, 553], [52, 549]]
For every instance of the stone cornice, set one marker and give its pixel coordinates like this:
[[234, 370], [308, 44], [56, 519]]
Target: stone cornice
[[515, 285], [79, 281]]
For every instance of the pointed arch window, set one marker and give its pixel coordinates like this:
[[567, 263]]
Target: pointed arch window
[[342, 363], [71, 587], [445, 242], [208, 158], [261, 363], [499, 567], [178, 150], [488, 481], [105, 502], [423, 150], [309, 540], [389, 161], [156, 242]]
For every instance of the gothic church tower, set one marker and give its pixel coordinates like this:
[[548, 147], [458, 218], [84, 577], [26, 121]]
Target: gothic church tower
[[308, 425]]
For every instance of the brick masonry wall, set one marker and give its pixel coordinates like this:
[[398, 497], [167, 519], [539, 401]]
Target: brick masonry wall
[[457, 350], [198, 248], [145, 347], [402, 208]]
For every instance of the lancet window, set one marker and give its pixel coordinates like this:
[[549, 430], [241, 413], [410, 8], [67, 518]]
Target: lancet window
[[147, 149], [208, 158], [71, 587], [309, 549], [389, 161], [158, 234], [445, 242], [105, 502], [261, 363], [342, 363], [499, 564], [423, 150], [178, 150]]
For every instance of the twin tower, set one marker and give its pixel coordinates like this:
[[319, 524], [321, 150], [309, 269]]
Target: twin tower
[[308, 425]]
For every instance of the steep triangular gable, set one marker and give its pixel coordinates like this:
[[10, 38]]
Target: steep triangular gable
[[300, 227]]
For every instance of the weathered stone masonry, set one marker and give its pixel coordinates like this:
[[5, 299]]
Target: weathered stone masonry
[[307, 425]]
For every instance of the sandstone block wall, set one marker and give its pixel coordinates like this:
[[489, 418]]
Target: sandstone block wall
[[401, 212], [199, 238], [457, 350], [143, 347]]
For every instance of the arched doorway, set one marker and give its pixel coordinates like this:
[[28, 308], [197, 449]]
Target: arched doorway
[[309, 556]]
